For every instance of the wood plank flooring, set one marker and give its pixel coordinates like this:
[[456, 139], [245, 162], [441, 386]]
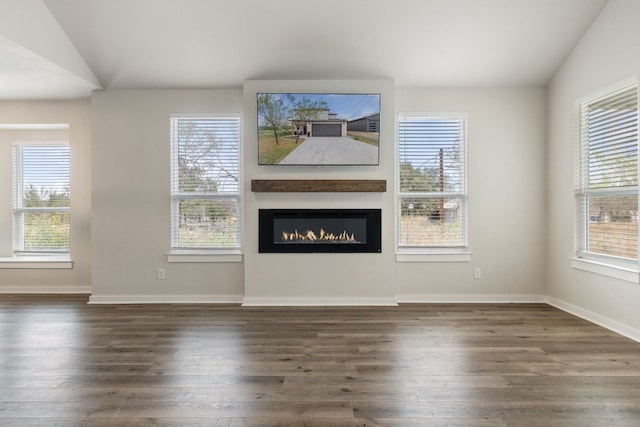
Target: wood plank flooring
[[66, 363]]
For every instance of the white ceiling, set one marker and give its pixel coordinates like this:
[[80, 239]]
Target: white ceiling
[[144, 44]]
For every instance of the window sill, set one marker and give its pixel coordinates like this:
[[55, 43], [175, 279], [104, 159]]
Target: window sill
[[609, 270], [36, 262], [204, 256], [453, 256]]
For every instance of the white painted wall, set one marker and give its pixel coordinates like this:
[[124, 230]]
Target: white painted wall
[[506, 181], [131, 199], [77, 115], [130, 205], [608, 53]]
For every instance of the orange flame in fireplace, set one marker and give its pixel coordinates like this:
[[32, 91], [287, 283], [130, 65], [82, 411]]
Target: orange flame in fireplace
[[324, 236]]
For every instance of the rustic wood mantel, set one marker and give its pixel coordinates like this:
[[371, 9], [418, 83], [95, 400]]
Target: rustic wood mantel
[[318, 185]]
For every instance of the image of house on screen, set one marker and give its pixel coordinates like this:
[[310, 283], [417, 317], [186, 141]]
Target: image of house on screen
[[318, 128], [318, 122]]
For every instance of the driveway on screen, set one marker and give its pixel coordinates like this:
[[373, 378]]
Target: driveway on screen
[[332, 151]]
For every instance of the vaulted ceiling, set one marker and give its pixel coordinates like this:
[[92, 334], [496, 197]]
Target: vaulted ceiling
[[59, 49]]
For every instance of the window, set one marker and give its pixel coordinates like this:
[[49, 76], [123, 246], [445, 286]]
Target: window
[[41, 198], [432, 193], [607, 177], [205, 188]]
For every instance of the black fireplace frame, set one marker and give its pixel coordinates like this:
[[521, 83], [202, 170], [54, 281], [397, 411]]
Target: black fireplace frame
[[266, 242]]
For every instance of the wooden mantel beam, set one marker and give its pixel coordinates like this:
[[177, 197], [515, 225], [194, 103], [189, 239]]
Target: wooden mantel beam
[[318, 185]]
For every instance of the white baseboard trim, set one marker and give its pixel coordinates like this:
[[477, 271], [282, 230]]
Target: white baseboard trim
[[165, 299], [324, 301], [605, 322], [45, 289], [469, 299]]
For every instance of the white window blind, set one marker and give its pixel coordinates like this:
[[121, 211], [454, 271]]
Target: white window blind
[[41, 198], [432, 193], [205, 189], [607, 175]]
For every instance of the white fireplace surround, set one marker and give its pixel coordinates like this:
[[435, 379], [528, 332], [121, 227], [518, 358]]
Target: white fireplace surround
[[353, 277]]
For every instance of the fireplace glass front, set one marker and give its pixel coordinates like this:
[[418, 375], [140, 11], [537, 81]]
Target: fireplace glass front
[[319, 230]]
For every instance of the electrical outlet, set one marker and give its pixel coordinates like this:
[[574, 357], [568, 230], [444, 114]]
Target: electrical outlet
[[161, 274], [476, 273]]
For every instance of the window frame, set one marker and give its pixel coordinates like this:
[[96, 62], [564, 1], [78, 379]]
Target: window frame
[[434, 253], [608, 265], [204, 254], [18, 209]]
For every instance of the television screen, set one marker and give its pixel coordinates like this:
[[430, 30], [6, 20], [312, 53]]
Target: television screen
[[318, 129]]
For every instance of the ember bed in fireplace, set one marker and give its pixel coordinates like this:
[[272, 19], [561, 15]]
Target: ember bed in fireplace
[[319, 230]]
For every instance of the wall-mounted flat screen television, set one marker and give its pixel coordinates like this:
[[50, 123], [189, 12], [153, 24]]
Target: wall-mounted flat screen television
[[318, 129]]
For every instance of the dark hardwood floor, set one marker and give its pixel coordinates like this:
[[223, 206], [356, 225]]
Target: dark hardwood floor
[[66, 363]]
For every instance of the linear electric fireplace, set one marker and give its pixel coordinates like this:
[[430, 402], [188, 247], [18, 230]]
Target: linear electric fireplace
[[319, 230]]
